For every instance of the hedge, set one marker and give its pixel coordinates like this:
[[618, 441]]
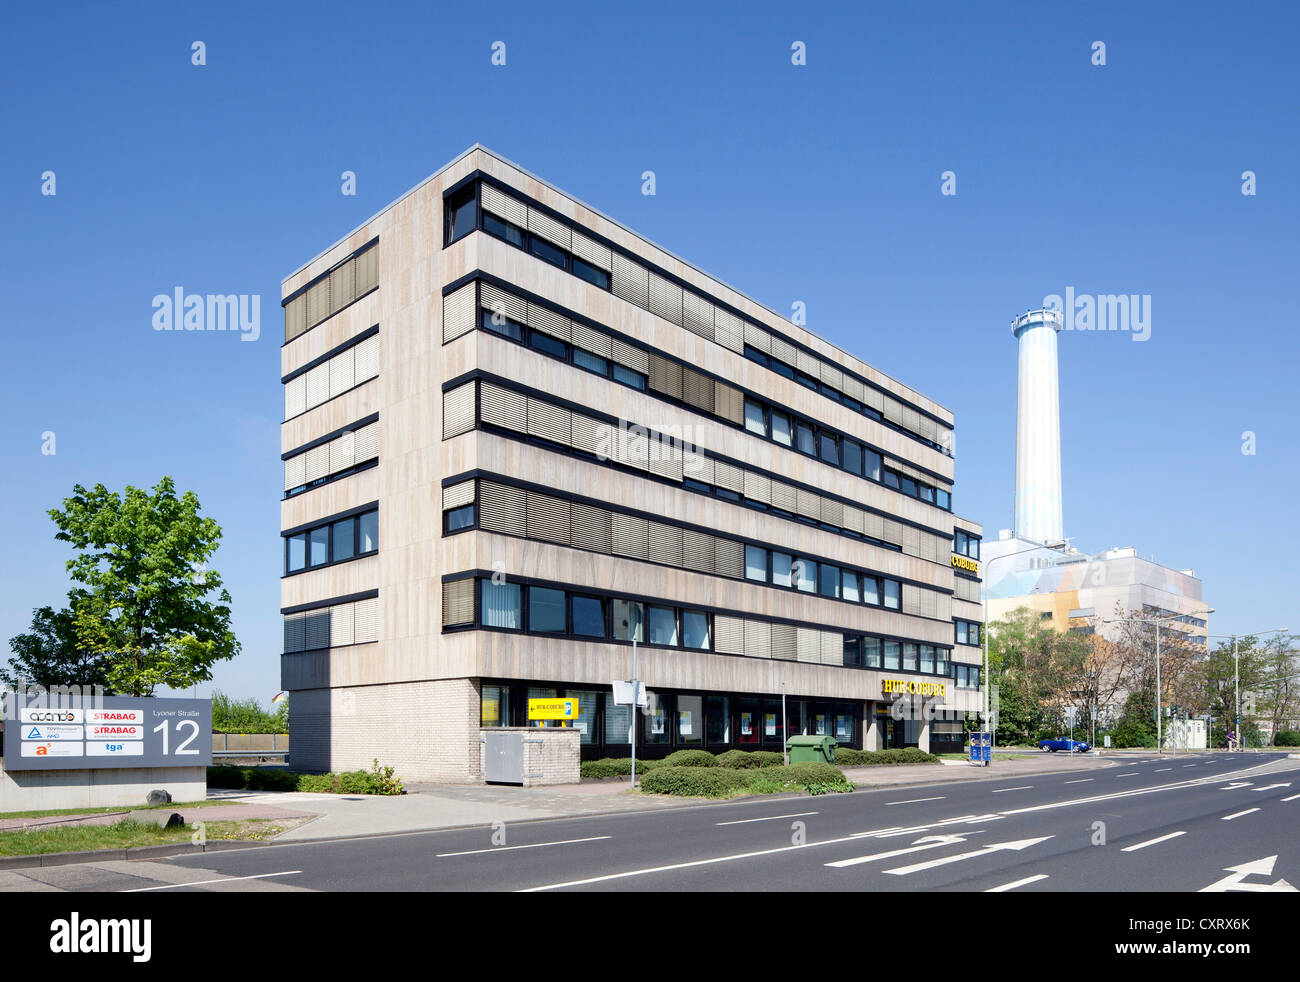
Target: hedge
[[377, 780], [846, 757], [1287, 738], [616, 767], [723, 782], [691, 758]]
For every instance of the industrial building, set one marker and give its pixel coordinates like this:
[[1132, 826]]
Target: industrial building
[[519, 437]]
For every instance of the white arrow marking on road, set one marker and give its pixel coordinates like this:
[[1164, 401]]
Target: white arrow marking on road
[[1260, 867], [1236, 784], [1017, 845], [1270, 787], [931, 842]]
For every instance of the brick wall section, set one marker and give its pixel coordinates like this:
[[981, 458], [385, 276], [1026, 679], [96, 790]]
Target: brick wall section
[[427, 731], [551, 754]]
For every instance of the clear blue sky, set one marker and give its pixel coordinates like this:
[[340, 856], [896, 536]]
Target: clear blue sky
[[818, 183]]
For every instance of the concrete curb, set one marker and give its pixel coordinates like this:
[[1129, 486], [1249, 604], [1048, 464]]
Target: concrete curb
[[138, 853]]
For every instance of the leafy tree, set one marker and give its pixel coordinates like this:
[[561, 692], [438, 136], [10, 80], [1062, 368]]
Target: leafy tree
[[1039, 672], [247, 716], [1137, 724], [142, 604], [48, 656]]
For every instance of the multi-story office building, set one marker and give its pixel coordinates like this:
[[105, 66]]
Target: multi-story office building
[[518, 436]]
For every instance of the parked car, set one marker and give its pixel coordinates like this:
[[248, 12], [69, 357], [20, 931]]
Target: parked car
[[1061, 743]]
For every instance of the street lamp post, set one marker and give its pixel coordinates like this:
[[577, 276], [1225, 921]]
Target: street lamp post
[[1236, 674], [984, 593]]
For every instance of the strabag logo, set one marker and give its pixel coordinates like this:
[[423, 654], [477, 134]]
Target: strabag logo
[[102, 935]]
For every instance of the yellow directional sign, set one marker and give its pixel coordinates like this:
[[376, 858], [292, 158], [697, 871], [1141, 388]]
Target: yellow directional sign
[[553, 709]]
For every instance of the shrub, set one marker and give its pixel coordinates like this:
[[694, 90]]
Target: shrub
[[377, 780], [813, 777], [768, 758], [268, 779], [225, 776], [1287, 738], [847, 757], [695, 782], [691, 758], [247, 716], [616, 767]]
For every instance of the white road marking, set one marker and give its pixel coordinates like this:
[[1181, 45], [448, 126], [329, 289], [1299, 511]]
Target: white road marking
[[1081, 780], [1017, 845], [1236, 784], [770, 818], [224, 879], [533, 845], [1189, 765], [1270, 787], [1129, 774], [913, 801], [1292, 798], [927, 842], [1159, 769], [1024, 788], [1017, 883], [1152, 842], [1260, 867], [1229, 818]]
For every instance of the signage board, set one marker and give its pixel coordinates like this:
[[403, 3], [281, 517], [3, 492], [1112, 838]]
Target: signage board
[[111, 731], [914, 687], [981, 747], [961, 562], [623, 693], [553, 709]]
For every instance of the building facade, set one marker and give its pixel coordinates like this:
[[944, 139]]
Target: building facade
[[518, 436]]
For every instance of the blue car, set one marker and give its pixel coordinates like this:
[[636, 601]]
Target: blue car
[[1061, 743]]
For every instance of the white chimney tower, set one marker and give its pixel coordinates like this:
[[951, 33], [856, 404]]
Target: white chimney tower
[[1037, 511]]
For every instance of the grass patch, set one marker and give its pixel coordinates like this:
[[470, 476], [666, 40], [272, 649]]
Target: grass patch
[[51, 812], [125, 834]]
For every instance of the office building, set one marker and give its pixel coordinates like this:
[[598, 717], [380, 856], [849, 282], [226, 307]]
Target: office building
[[519, 436]]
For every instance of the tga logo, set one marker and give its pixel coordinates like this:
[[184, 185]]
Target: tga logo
[[102, 935], [183, 311]]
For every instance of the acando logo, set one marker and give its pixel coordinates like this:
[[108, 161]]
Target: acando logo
[[183, 311]]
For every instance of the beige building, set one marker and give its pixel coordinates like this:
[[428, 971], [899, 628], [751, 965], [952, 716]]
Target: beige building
[[518, 436]]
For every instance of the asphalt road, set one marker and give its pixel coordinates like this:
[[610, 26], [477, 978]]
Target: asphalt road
[[1179, 824]]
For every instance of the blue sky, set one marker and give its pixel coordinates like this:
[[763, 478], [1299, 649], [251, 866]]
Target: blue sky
[[818, 183]]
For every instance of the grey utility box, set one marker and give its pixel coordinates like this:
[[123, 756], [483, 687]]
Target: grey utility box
[[504, 757]]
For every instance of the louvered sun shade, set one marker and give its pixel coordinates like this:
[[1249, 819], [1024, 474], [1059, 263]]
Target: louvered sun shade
[[346, 370], [355, 622], [512, 410], [343, 452], [457, 602], [349, 281], [458, 310]]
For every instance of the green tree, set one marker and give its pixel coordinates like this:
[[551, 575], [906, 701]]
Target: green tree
[[247, 716], [47, 655], [143, 600], [1137, 724]]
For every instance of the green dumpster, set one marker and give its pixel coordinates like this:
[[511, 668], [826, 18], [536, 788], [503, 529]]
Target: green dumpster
[[803, 749]]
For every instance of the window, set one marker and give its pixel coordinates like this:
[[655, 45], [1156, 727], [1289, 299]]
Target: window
[[690, 720], [850, 590], [927, 492], [297, 553], [460, 518], [545, 251], [892, 656], [592, 363], [756, 564], [695, 629], [782, 569], [871, 652], [546, 345], [663, 626], [871, 465], [781, 428], [830, 450], [910, 657], [806, 443], [503, 230], [318, 554], [368, 539], [853, 457], [830, 581], [891, 594], [590, 273], [629, 377], [501, 607], [941, 661], [462, 213], [629, 620], [501, 324], [753, 354], [806, 576], [588, 617], [943, 499], [961, 632], [974, 634], [344, 536], [890, 478], [927, 659], [973, 545], [545, 610], [494, 706], [909, 486], [618, 723], [959, 542], [871, 590], [717, 719], [852, 651], [781, 368], [754, 421]]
